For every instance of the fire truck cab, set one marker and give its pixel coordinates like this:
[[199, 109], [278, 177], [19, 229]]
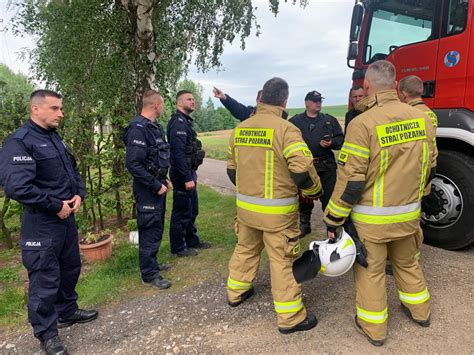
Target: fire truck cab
[[433, 39]]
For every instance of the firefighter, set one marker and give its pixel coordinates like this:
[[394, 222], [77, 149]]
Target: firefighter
[[322, 133], [269, 162], [388, 139]]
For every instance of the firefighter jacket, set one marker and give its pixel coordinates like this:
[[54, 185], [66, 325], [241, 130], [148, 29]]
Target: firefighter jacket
[[420, 105], [269, 162], [385, 163]]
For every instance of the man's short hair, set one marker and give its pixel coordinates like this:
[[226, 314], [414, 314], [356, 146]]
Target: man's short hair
[[354, 88], [43, 93], [275, 92], [382, 74], [412, 85], [259, 95], [181, 93], [149, 97]]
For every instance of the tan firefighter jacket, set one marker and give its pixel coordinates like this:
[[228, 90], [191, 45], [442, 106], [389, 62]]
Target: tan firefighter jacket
[[384, 165], [268, 159]]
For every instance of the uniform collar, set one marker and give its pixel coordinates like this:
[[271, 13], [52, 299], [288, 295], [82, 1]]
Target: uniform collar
[[40, 129], [182, 114], [380, 98], [276, 110], [415, 102]]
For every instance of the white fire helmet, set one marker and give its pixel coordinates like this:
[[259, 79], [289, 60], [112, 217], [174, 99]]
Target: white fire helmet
[[336, 257]]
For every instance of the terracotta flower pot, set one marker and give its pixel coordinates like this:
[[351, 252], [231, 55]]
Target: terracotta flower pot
[[97, 251]]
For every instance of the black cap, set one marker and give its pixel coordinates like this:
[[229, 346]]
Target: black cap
[[313, 96]]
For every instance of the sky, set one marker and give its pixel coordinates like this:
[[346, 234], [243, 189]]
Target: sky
[[306, 47]]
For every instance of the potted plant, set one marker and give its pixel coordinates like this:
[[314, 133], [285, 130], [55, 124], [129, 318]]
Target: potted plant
[[96, 246], [133, 231]]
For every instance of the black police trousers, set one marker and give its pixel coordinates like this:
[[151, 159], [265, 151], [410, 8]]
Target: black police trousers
[[150, 219], [183, 231], [326, 170], [50, 253]]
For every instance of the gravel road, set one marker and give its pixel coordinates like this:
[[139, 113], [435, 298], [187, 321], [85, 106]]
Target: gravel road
[[198, 320]]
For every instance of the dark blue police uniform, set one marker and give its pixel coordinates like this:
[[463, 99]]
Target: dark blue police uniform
[[40, 173], [186, 156], [148, 160], [313, 131], [236, 109]]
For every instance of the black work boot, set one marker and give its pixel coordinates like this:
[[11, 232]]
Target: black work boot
[[423, 323], [305, 224], [309, 323], [243, 297], [158, 282], [164, 267], [371, 341], [187, 252], [80, 316], [54, 346], [202, 245]]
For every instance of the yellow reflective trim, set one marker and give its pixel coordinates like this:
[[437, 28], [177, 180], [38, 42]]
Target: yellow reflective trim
[[267, 209], [296, 147], [417, 255], [401, 132], [268, 183], [414, 298], [434, 118], [254, 137], [229, 150], [238, 285], [424, 168], [236, 158], [354, 149], [347, 244], [372, 317], [288, 307], [376, 219], [312, 190], [337, 210], [380, 180]]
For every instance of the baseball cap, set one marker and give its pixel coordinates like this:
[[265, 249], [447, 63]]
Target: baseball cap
[[313, 96]]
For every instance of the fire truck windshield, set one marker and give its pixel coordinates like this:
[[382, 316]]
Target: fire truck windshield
[[395, 23]]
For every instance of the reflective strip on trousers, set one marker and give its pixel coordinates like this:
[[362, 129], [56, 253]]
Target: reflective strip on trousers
[[355, 149], [414, 298], [337, 210], [267, 206], [372, 317], [386, 215], [268, 184], [288, 307], [238, 285], [424, 168], [295, 147], [379, 182]]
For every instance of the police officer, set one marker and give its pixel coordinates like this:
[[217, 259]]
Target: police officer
[[356, 93], [321, 132], [186, 156], [39, 172], [388, 139], [148, 160], [269, 163], [236, 109]]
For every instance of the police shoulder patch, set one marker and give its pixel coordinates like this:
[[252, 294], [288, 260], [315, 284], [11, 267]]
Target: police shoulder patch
[[138, 142], [22, 158]]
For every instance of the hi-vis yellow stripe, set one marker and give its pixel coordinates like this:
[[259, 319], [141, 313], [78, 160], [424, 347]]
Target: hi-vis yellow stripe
[[424, 169], [268, 184], [434, 118], [414, 298], [337, 210], [236, 157], [288, 307], [379, 181], [350, 148], [254, 137], [238, 285], [288, 151], [372, 317], [401, 132], [253, 207]]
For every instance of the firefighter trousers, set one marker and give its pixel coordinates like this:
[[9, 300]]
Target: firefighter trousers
[[371, 289], [282, 248]]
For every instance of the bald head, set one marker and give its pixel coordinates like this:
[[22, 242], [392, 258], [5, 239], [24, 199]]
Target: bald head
[[410, 88], [380, 76]]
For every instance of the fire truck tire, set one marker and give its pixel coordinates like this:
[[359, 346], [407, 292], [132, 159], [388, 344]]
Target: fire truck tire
[[454, 171]]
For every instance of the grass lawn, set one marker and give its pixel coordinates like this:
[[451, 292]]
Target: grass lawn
[[338, 111], [118, 278]]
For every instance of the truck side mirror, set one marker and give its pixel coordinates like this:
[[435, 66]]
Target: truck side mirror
[[352, 51], [356, 22]]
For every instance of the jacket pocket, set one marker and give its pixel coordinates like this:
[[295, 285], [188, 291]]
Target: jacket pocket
[[33, 253], [292, 246]]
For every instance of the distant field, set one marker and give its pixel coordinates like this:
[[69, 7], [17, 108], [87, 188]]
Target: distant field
[[338, 111]]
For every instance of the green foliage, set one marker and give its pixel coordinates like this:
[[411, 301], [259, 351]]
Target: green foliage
[[12, 305], [215, 146], [9, 273]]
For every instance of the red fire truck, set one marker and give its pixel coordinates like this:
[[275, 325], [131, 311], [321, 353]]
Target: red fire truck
[[433, 39]]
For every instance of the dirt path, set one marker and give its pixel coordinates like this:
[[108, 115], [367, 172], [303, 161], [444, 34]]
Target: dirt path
[[198, 320]]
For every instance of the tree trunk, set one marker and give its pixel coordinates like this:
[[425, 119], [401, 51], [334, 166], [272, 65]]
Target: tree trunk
[[5, 231], [140, 15]]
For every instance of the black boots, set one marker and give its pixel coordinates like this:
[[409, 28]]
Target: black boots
[[309, 323], [245, 296], [54, 346], [80, 316], [305, 224]]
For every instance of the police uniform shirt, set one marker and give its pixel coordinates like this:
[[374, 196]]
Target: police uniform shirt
[[314, 129], [139, 137], [180, 135], [38, 170]]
